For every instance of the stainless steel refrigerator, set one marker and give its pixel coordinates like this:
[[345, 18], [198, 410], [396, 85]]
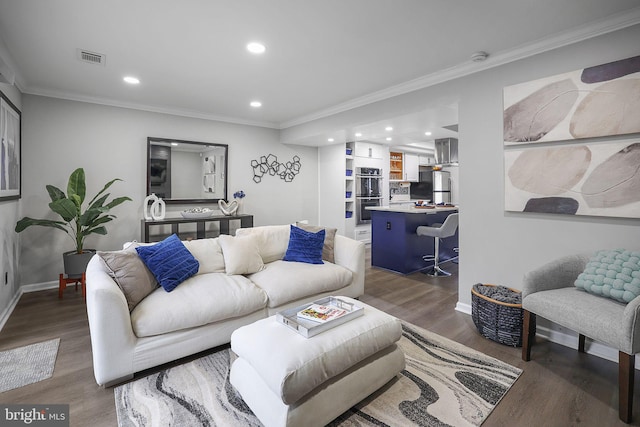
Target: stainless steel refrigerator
[[441, 187]]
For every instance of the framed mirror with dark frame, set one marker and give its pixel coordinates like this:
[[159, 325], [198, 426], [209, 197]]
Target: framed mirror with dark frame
[[186, 172]]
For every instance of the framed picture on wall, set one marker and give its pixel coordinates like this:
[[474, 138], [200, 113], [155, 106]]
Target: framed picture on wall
[[593, 178], [10, 150], [598, 101]]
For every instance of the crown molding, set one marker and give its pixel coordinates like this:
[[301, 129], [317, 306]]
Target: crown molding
[[574, 35], [143, 107]]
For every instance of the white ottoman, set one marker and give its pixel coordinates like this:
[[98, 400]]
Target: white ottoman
[[289, 380]]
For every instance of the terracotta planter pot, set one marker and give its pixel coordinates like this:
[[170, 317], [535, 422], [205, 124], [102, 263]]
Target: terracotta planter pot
[[75, 264]]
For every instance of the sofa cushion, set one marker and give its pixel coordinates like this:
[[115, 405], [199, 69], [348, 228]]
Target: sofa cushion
[[241, 255], [170, 262], [272, 240], [613, 274], [208, 253], [288, 281], [199, 300], [329, 239], [133, 277], [305, 246]]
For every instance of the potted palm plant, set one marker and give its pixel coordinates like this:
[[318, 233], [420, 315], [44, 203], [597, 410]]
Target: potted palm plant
[[77, 222]]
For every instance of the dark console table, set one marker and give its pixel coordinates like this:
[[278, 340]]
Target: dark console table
[[200, 232]]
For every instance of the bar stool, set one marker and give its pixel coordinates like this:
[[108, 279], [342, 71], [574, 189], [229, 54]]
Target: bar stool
[[447, 229]]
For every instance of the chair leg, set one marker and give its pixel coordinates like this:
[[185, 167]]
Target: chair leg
[[626, 373], [436, 271], [581, 340], [62, 285], [528, 334]]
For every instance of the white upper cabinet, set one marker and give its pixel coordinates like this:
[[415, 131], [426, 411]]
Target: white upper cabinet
[[369, 150], [411, 167]]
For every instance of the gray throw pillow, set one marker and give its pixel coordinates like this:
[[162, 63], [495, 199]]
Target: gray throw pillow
[[329, 239], [133, 277]]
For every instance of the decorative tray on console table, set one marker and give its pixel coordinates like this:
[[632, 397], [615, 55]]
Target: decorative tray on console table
[[309, 328]]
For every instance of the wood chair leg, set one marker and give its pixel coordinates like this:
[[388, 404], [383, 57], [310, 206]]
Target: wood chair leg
[[626, 373], [528, 334], [62, 284], [581, 340]]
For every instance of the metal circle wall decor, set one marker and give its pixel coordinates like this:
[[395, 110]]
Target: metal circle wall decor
[[269, 164]]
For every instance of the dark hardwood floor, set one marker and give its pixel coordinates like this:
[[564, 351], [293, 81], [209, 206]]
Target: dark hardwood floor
[[559, 386]]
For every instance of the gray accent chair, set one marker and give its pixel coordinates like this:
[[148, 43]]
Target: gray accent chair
[[549, 292]]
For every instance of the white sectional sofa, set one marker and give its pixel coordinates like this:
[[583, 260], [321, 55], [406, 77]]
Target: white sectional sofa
[[205, 309]]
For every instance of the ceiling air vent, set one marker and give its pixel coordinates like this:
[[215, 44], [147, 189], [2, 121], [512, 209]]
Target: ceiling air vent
[[91, 57]]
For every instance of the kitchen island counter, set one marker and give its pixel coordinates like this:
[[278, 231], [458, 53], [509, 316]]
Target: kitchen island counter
[[410, 208], [395, 245]]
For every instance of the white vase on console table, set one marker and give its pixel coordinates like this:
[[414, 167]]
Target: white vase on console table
[[154, 211], [228, 208]]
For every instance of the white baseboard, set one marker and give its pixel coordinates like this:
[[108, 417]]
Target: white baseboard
[[4, 316], [567, 338], [35, 287], [7, 311], [463, 308]]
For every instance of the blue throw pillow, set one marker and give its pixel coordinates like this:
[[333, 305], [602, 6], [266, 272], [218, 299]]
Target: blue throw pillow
[[305, 246], [170, 262]]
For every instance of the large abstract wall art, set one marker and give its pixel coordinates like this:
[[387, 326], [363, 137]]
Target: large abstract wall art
[[600, 179], [597, 101]]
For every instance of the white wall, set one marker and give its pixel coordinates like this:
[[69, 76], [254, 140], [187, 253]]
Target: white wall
[[497, 246], [9, 211], [110, 142], [331, 187]]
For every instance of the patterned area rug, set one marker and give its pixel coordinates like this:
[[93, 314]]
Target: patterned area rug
[[444, 383], [28, 364]]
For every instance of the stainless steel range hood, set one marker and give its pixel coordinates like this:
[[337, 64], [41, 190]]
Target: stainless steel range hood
[[446, 151]]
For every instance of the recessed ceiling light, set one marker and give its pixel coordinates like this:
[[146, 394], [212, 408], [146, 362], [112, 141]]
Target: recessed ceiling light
[[175, 144], [388, 128], [428, 133], [389, 138], [256, 48], [131, 80], [358, 134], [256, 104], [330, 139]]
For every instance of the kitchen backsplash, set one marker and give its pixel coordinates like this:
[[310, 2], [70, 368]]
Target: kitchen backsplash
[[399, 191]]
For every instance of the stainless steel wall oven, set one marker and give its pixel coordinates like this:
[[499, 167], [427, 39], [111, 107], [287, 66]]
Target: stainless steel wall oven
[[368, 192]]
